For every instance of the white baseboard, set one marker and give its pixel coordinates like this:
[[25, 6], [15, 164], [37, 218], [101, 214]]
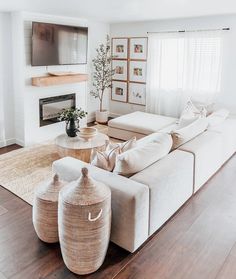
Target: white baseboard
[[7, 142], [19, 142]]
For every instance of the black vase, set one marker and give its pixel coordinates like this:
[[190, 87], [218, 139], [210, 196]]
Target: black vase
[[72, 128]]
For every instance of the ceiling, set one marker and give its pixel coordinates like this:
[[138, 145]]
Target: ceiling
[[123, 10]]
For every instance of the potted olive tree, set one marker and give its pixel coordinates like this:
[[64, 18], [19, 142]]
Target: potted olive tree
[[102, 77]]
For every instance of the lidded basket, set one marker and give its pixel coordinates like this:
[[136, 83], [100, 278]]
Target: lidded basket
[[84, 220], [45, 209]]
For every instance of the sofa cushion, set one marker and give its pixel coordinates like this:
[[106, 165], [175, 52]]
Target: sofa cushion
[[170, 181], [207, 149], [185, 134], [217, 117], [130, 201], [228, 131], [146, 153], [141, 122]]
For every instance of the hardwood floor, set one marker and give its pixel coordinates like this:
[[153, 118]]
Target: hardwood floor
[[8, 149], [198, 242]]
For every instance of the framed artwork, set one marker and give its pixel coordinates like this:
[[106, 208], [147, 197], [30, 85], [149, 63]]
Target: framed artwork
[[137, 71], [137, 93], [120, 67], [138, 48], [119, 91], [120, 48]]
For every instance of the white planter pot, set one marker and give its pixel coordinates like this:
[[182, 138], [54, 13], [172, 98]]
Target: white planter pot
[[102, 116]]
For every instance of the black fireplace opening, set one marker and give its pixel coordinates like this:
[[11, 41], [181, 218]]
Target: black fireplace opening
[[50, 108]]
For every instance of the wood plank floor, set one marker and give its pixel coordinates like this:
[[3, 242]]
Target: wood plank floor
[[8, 149], [198, 242]]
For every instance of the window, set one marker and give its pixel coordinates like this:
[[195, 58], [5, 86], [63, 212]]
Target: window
[[182, 66]]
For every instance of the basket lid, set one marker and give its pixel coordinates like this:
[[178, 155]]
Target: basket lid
[[85, 191], [49, 189]]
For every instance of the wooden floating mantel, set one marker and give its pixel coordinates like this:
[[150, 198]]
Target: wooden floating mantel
[[57, 80]]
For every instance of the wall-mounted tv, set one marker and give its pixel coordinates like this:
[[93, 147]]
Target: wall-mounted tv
[[54, 44]]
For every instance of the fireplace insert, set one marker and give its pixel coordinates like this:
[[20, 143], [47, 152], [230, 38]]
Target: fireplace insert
[[50, 108]]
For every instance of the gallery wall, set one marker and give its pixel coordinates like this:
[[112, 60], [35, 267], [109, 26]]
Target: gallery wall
[[227, 95]]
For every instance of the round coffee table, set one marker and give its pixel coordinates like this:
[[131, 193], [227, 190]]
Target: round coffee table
[[78, 147]]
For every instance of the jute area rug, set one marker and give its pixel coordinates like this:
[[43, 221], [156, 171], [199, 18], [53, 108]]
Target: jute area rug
[[23, 169]]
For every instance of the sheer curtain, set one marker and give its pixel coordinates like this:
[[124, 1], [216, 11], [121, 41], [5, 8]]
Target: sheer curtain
[[182, 65]]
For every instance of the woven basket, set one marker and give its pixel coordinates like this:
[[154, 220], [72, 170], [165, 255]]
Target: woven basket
[[84, 220], [45, 208]]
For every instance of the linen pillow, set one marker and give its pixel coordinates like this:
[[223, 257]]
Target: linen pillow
[[129, 144], [154, 137], [106, 159], [183, 135], [143, 155], [189, 114], [217, 117]]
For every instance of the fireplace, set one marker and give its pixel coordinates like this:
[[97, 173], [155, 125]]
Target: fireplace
[[49, 108]]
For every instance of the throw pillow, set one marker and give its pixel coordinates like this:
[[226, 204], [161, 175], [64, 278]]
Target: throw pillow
[[106, 159], [188, 115], [129, 144], [142, 156], [207, 108], [154, 137], [183, 135]]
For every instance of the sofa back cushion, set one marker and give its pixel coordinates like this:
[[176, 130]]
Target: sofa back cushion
[[185, 134], [217, 117], [148, 151]]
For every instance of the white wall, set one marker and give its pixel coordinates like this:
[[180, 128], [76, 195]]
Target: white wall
[[228, 88], [7, 134], [27, 96]]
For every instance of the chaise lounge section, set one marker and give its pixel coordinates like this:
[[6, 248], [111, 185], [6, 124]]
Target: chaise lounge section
[[142, 203], [138, 124]]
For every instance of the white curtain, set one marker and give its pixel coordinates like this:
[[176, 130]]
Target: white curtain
[[182, 66]]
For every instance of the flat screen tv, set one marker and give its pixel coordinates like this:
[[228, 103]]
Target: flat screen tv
[[54, 44]]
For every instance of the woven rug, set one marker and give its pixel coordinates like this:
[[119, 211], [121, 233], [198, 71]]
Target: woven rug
[[23, 169]]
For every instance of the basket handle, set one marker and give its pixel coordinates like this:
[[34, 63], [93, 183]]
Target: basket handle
[[96, 218]]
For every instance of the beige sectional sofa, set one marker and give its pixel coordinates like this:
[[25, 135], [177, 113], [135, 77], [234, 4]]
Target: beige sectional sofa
[[142, 203]]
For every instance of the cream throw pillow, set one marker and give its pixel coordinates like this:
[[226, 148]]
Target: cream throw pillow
[[129, 144], [182, 135], [143, 155], [154, 137], [106, 159], [191, 113]]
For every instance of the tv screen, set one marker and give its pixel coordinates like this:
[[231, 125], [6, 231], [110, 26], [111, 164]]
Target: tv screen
[[54, 44]]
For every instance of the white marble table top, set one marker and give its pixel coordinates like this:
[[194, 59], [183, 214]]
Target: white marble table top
[[80, 143]]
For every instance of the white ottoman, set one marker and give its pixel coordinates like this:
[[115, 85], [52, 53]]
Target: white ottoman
[[137, 124]]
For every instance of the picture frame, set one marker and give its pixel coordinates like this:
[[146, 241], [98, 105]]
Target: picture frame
[[119, 91], [121, 69], [120, 48], [138, 48], [137, 93], [137, 71]]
